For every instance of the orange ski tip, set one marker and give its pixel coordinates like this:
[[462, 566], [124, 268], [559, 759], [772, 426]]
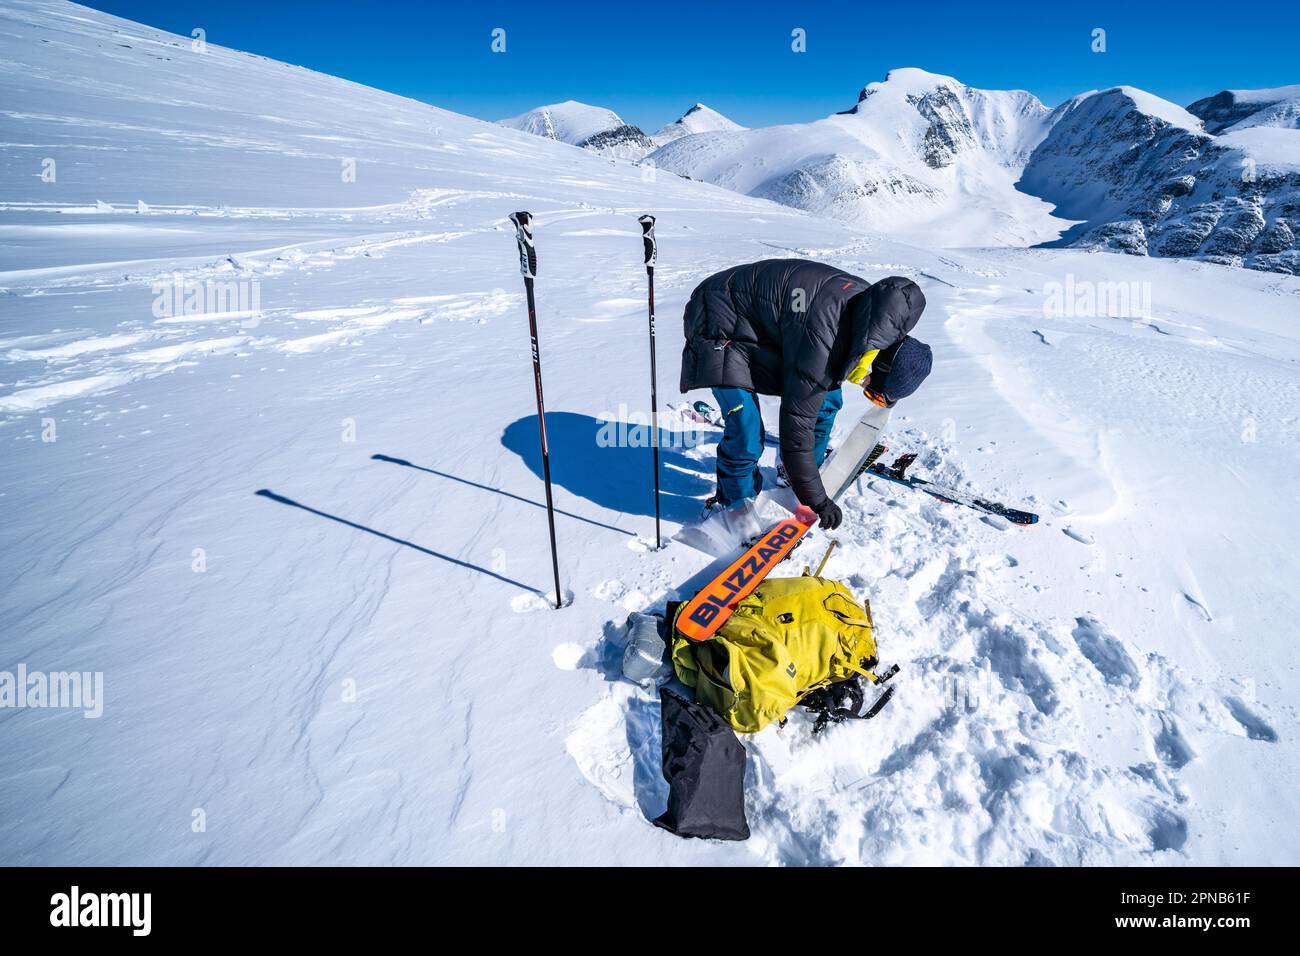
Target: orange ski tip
[[700, 617], [805, 515]]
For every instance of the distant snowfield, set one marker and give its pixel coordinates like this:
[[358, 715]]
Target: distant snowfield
[[301, 536]]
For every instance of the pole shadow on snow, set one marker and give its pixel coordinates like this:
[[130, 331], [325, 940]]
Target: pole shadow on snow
[[499, 491], [271, 495], [615, 474]]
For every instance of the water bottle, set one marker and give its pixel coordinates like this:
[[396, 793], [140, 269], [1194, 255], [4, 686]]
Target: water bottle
[[643, 657]]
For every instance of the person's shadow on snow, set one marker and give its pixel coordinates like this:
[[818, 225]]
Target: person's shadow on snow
[[611, 463]]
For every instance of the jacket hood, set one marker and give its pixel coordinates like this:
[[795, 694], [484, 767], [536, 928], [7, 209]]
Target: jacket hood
[[883, 314]]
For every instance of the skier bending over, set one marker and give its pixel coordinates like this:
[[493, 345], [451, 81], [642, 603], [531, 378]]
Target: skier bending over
[[797, 329]]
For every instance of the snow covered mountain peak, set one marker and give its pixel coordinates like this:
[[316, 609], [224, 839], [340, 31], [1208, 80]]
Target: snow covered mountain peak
[[908, 80], [698, 119], [924, 157], [1242, 109], [1121, 99], [1146, 178], [917, 148], [953, 118], [580, 124]]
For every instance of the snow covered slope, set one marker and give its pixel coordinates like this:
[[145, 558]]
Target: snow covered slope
[[1147, 179], [591, 127], [301, 536], [698, 119], [920, 155], [1239, 109], [925, 158]]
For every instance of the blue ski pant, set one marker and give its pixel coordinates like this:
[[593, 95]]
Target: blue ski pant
[[741, 446]]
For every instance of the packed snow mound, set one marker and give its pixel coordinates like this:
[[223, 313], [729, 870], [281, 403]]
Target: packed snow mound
[[1146, 179], [698, 119], [919, 155], [590, 127], [1278, 106]]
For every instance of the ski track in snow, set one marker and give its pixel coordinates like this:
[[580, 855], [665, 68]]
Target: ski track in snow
[[306, 541]]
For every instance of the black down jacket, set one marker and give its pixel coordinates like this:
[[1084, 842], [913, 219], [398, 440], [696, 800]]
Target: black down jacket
[[794, 328]]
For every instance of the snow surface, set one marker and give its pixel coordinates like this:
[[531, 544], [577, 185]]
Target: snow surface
[[1271, 148], [1269, 95], [367, 670]]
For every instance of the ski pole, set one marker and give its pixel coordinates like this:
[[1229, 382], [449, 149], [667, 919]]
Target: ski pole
[[651, 252], [528, 266]]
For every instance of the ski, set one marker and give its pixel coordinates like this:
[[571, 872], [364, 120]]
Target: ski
[[701, 616], [856, 452], [897, 473]]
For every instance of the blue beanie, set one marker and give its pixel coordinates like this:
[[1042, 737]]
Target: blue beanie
[[911, 364]]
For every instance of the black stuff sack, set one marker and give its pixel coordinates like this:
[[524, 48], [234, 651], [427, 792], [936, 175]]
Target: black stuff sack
[[704, 765]]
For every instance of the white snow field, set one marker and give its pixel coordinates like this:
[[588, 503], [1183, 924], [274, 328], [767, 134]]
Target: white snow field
[[299, 532]]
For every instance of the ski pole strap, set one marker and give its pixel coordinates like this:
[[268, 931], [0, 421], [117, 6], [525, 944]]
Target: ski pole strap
[[648, 238], [524, 235]]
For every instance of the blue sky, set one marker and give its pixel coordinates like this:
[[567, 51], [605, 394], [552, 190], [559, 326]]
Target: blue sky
[[650, 61]]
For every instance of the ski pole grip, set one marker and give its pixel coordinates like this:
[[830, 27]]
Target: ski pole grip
[[648, 237], [527, 251]]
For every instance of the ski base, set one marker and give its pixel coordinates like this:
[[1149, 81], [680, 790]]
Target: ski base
[[842, 468]]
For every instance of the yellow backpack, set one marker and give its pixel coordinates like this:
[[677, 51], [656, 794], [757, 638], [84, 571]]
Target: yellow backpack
[[789, 638]]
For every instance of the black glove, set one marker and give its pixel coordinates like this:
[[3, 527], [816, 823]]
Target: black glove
[[830, 514]]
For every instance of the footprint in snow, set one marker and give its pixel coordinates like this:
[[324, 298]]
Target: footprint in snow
[[1170, 744], [1255, 727], [1078, 536], [1168, 829], [609, 590], [1106, 653]]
